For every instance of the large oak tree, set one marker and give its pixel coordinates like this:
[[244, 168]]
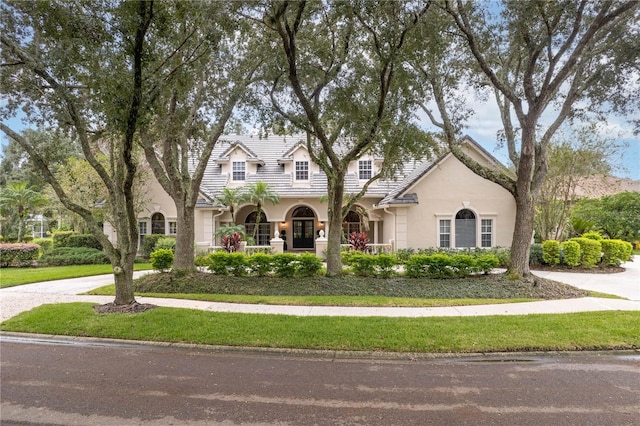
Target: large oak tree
[[545, 62], [338, 77], [81, 66]]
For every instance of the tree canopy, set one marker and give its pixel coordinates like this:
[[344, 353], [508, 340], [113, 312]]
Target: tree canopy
[[537, 58]]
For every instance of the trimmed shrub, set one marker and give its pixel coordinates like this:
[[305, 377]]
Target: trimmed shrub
[[259, 264], [21, 254], [535, 255], [385, 263], [149, 242], [628, 251], [308, 265], [202, 260], [237, 264], [218, 262], [82, 240], [402, 255], [440, 266], [161, 259], [347, 256], [485, 263], [63, 256], [46, 244], [593, 235], [614, 252], [589, 251], [462, 265], [570, 253], [60, 238], [551, 252], [168, 243], [284, 264], [364, 265]]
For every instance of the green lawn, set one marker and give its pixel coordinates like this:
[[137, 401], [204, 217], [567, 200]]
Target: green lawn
[[17, 276], [580, 331]]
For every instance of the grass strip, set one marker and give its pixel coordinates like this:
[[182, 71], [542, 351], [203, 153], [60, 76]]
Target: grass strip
[[578, 331], [376, 301], [10, 277]]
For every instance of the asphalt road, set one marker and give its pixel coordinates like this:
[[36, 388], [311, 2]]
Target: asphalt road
[[66, 382]]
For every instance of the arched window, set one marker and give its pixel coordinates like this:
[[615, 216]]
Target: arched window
[[157, 223], [263, 237], [465, 228], [351, 223], [303, 212]]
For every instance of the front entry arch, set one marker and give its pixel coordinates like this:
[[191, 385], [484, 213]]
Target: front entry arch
[[303, 219]]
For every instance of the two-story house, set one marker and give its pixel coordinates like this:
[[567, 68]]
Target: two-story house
[[437, 203]]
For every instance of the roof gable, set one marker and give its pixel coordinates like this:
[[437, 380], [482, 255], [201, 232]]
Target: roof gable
[[401, 195]]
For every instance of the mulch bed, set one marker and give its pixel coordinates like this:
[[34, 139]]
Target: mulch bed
[[133, 308]]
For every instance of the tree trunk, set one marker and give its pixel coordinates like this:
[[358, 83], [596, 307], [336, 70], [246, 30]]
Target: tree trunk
[[123, 275], [525, 207], [522, 233], [335, 190], [185, 258]]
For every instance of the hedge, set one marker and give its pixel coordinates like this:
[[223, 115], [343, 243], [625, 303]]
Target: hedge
[[261, 264], [570, 253], [442, 265], [589, 251], [551, 252], [63, 256], [46, 244], [21, 254], [615, 252], [60, 238], [82, 240], [161, 259]]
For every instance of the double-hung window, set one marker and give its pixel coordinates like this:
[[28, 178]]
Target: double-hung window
[[302, 170], [364, 169], [173, 228], [238, 170], [445, 233], [486, 233]]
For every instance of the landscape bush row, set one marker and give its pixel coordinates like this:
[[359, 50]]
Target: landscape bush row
[[587, 251], [63, 248], [437, 265], [261, 264]]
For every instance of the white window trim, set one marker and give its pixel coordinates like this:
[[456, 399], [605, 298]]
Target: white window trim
[[233, 171], [370, 169], [295, 170]]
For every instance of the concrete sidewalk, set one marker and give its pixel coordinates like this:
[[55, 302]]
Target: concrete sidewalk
[[14, 300]]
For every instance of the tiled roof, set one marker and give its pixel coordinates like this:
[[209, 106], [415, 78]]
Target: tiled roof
[[273, 148]]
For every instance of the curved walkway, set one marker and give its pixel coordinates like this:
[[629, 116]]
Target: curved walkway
[[14, 300]]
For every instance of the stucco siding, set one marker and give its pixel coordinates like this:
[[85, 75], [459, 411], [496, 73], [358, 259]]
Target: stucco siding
[[449, 188]]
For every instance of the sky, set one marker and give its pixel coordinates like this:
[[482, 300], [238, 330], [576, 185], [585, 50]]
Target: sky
[[484, 125]]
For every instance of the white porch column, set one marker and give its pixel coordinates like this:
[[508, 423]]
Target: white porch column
[[375, 232]]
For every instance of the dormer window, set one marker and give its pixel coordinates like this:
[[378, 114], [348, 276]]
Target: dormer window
[[302, 170], [238, 170], [364, 169]]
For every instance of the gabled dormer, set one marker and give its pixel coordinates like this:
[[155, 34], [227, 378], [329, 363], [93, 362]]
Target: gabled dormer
[[365, 167], [297, 162], [237, 162]]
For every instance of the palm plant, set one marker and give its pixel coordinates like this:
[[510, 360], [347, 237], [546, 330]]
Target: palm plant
[[257, 194], [230, 197], [18, 198]]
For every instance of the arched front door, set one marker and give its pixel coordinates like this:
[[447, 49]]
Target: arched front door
[[303, 228], [157, 223], [465, 229]]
